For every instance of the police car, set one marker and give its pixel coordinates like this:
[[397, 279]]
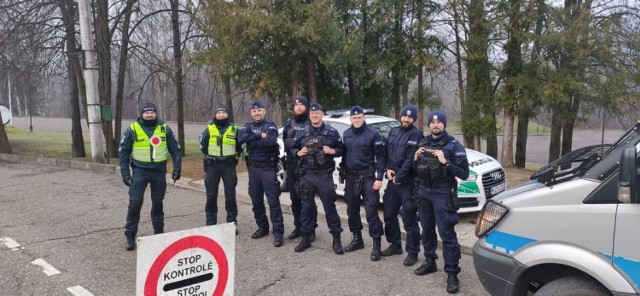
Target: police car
[[486, 176]]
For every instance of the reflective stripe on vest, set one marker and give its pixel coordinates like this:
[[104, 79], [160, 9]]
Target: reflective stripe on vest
[[143, 151], [227, 142]]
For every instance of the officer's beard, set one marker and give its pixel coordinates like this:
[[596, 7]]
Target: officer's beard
[[301, 117], [149, 122]]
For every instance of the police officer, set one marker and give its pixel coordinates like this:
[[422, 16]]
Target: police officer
[[439, 160], [315, 147], [261, 139], [291, 127], [218, 143], [401, 146], [363, 166], [144, 146]]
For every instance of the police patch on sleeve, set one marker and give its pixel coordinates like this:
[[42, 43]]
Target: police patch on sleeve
[[412, 143]]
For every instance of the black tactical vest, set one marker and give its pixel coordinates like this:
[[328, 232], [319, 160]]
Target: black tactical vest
[[316, 159], [291, 133], [429, 169]]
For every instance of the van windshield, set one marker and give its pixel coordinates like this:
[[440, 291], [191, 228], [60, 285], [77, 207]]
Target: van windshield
[[579, 161]]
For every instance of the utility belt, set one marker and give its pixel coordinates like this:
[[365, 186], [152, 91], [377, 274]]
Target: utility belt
[[209, 160], [318, 171], [367, 172], [432, 185], [255, 164]]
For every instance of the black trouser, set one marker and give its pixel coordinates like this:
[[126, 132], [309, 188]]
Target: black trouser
[[371, 200], [139, 180], [296, 201], [225, 170]]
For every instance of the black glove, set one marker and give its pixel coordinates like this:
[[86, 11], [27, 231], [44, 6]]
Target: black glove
[[175, 176], [126, 180]]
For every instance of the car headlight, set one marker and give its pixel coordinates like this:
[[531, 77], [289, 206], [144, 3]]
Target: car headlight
[[490, 215], [472, 177]]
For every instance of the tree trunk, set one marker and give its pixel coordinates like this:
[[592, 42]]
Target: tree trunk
[[122, 69], [228, 96], [311, 78], [568, 124], [468, 138], [103, 48], [177, 55], [294, 81], [507, 139], [5, 147], [77, 140], [556, 131], [521, 141], [479, 89]]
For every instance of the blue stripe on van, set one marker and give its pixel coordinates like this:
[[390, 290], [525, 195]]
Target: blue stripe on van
[[630, 267], [509, 242]]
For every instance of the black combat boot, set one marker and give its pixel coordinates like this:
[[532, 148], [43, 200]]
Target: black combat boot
[[375, 252], [131, 243], [337, 244], [392, 250], [312, 236], [356, 244], [260, 233], [294, 234], [304, 243], [410, 260], [428, 266], [452, 283]]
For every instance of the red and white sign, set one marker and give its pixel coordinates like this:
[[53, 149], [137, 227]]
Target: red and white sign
[[155, 141], [196, 261]]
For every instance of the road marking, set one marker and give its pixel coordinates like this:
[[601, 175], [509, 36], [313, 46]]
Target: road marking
[[48, 269], [11, 244], [79, 291]]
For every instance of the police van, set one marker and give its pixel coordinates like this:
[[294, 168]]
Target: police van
[[486, 175], [573, 230]]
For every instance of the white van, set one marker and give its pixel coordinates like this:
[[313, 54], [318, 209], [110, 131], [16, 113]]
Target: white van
[[572, 231], [486, 176]]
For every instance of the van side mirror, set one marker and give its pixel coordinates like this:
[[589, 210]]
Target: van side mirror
[[628, 177]]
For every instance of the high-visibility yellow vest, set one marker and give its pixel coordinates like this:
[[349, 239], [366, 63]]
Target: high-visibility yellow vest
[[224, 145], [143, 151]]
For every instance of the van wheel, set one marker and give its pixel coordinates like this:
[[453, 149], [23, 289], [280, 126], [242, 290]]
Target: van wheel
[[572, 286]]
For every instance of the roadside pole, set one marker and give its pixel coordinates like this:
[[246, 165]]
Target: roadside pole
[[90, 72], [10, 109]]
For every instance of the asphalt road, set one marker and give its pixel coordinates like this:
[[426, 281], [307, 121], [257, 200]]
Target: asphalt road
[[72, 220], [537, 145]]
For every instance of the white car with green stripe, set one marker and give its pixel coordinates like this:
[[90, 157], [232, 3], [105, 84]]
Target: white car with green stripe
[[486, 176]]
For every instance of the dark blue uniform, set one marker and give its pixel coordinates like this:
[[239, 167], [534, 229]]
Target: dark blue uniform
[[153, 173], [291, 128], [364, 164], [433, 209], [261, 163], [218, 168], [401, 145], [316, 176]]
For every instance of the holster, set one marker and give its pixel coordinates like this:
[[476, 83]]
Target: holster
[[357, 189], [341, 174], [453, 203], [298, 189]]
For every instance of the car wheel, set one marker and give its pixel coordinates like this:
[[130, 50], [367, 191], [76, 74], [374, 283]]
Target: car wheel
[[572, 286], [281, 174]]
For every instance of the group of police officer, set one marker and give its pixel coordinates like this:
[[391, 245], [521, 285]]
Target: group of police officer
[[421, 175]]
